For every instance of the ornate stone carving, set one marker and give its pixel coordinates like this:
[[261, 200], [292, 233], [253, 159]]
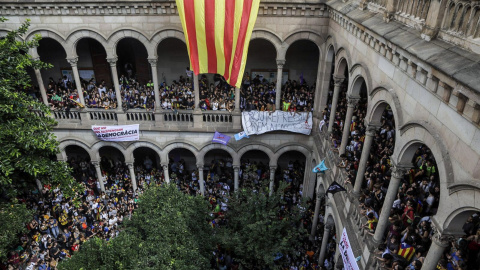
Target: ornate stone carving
[[280, 63], [96, 164], [371, 130], [73, 61], [147, 8], [112, 61], [337, 81], [153, 61], [441, 239], [398, 172], [352, 101]]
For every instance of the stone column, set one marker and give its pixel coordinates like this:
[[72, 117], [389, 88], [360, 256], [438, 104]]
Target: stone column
[[352, 102], [237, 114], [113, 67], [43, 92], [237, 99], [389, 10], [320, 194], [153, 64], [272, 180], [278, 88], [435, 15], [367, 144], [323, 249], [200, 179], [99, 174], [73, 62], [197, 113], [132, 176], [196, 91], [439, 244], [235, 177], [165, 173], [397, 176], [336, 92]]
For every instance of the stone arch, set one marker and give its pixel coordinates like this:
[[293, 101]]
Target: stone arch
[[474, 20], [96, 149], [303, 35], [271, 37], [455, 220], [291, 147], [115, 38], [450, 15], [163, 34], [380, 97], [342, 62], [412, 135], [465, 19], [48, 33], [69, 141], [75, 36], [132, 147], [4, 32], [358, 74], [166, 150], [210, 146], [261, 147]]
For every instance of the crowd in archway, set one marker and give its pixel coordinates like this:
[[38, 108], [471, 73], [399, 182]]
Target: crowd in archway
[[217, 95], [409, 232], [60, 226]]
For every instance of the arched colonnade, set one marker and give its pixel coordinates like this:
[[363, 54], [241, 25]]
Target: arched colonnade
[[151, 43], [409, 136], [199, 152]]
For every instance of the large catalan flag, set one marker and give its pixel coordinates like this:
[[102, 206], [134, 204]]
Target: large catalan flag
[[217, 33]]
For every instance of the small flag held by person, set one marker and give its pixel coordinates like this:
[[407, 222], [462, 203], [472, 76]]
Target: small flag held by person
[[220, 138], [241, 135], [335, 187], [320, 168]]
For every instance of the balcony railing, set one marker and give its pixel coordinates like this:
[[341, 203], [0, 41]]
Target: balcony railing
[[217, 117], [181, 120]]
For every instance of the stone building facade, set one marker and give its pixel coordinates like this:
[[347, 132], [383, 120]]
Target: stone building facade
[[419, 57]]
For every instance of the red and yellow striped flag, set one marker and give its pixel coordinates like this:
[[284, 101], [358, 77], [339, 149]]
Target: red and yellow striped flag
[[217, 33]]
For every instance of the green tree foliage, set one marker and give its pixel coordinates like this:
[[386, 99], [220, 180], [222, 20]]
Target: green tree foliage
[[261, 227], [26, 142], [169, 230]]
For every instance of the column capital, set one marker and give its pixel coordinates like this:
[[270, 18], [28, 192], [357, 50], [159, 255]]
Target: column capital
[[96, 164], [152, 61], [399, 171], [280, 63], [200, 167], [273, 168], [328, 227], [352, 101], [440, 239], [236, 167], [164, 165], [72, 61], [337, 80], [112, 61], [129, 164], [371, 130]]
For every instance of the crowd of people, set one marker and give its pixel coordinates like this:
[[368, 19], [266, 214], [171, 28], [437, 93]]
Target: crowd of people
[[59, 226], [410, 230], [256, 94]]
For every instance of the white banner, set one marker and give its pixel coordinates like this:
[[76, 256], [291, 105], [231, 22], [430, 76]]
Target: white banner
[[255, 122], [117, 133], [349, 262]]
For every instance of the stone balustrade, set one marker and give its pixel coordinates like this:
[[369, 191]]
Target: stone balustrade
[[437, 76], [181, 120]]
